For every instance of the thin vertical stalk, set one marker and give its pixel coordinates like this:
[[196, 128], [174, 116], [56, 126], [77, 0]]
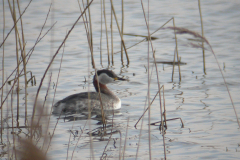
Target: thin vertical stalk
[[105, 20], [23, 54], [2, 71], [87, 33], [17, 58], [29, 56], [179, 70], [149, 81], [122, 30], [112, 35], [186, 31], [115, 16], [7, 121], [50, 63], [93, 64], [91, 37], [90, 25], [203, 50], [101, 33], [22, 47], [13, 138], [139, 140], [159, 87], [174, 57], [125, 142], [164, 109], [59, 71], [14, 23]]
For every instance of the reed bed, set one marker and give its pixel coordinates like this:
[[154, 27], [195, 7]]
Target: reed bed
[[38, 139]]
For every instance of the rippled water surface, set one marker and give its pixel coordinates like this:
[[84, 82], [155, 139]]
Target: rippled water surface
[[200, 100]]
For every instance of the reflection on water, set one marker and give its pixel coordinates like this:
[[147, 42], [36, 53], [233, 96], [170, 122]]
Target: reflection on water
[[210, 131]]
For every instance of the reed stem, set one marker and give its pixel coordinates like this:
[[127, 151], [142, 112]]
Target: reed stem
[[123, 43], [178, 60], [3, 57], [106, 30], [203, 50]]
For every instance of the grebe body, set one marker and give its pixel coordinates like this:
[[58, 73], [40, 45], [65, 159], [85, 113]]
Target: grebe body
[[82, 101]]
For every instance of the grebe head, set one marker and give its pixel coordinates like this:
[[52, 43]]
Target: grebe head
[[104, 77]]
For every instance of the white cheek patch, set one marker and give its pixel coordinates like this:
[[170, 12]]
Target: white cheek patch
[[104, 78]]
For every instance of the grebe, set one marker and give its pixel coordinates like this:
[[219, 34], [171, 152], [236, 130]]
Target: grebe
[[79, 102]]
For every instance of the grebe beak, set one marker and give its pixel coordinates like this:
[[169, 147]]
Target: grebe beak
[[118, 78]]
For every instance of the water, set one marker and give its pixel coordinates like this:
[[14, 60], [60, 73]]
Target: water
[[211, 130]]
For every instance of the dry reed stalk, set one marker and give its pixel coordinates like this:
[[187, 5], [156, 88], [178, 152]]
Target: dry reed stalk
[[123, 43], [29, 55], [8, 139], [13, 138], [111, 25], [40, 85], [42, 108], [15, 24], [3, 56], [53, 102], [68, 144], [85, 22], [139, 140], [164, 110], [174, 57], [120, 145], [176, 49], [143, 40], [145, 110], [88, 33], [23, 54], [16, 78], [101, 32], [90, 25], [89, 107], [90, 138], [125, 142], [82, 130], [200, 13], [106, 30], [159, 87], [89, 117], [160, 128], [197, 35], [13, 12], [28, 148], [101, 104], [148, 93], [122, 27], [101, 158], [51, 136]]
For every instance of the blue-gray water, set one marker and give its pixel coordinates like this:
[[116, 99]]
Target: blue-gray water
[[202, 101]]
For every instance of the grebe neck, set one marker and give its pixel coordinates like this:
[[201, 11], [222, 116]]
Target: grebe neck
[[103, 88]]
